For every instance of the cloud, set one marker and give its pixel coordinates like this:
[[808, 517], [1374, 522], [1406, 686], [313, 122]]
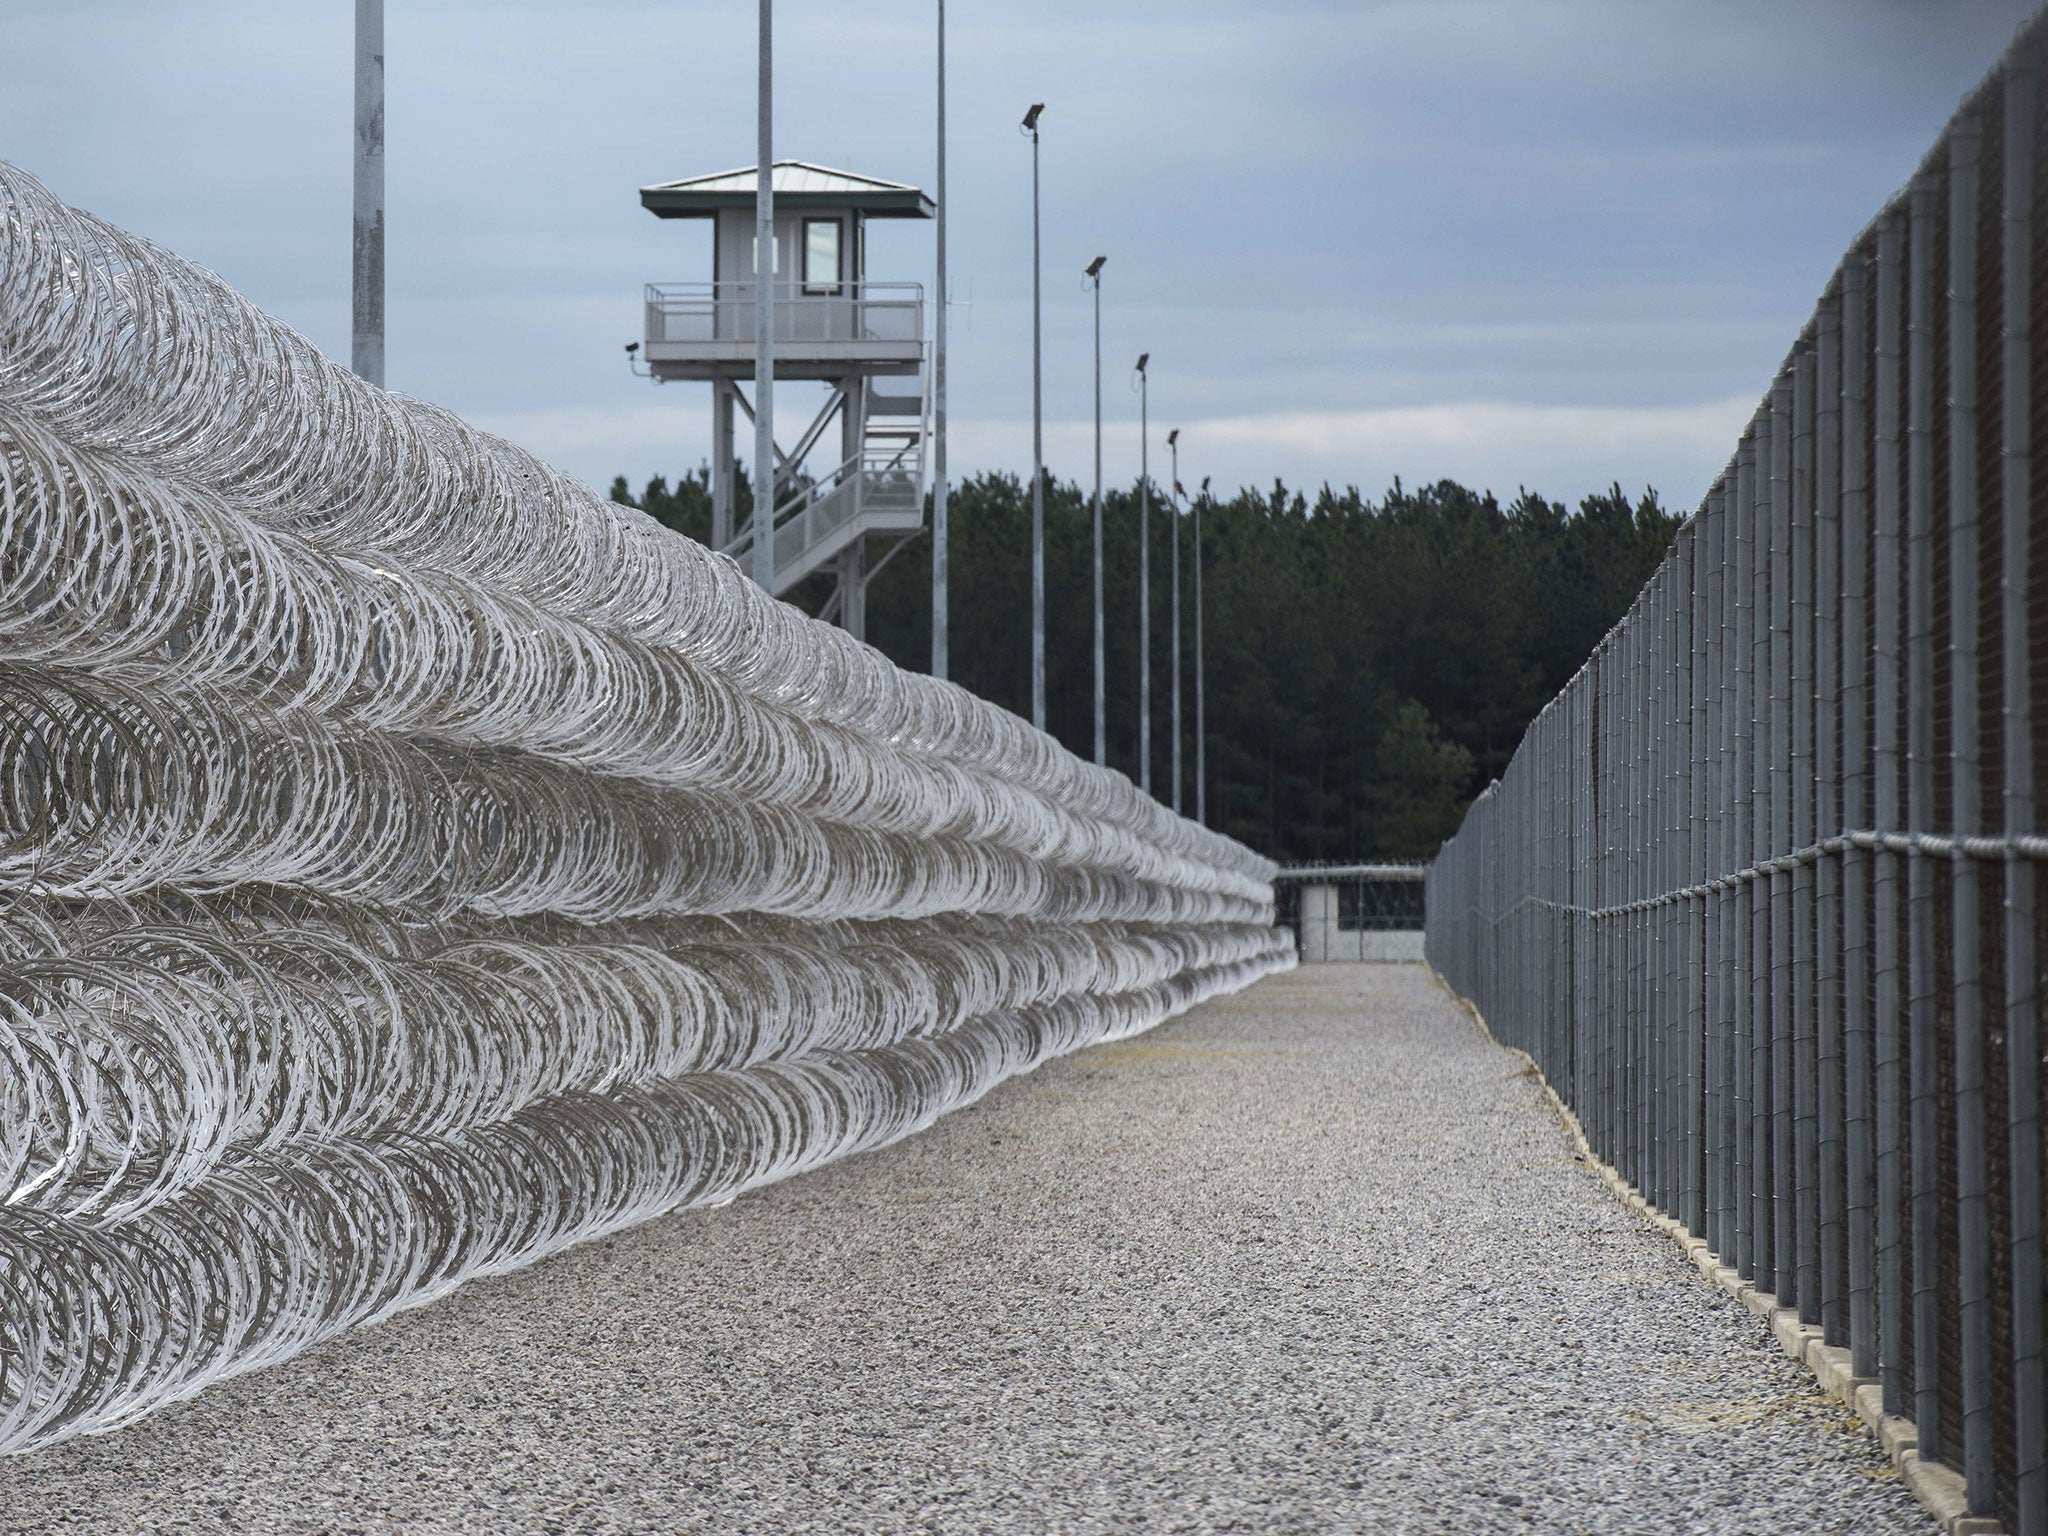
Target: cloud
[[1489, 427], [1451, 231], [1564, 451], [574, 432]]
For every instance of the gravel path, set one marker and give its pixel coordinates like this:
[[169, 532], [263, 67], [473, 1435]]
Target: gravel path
[[1310, 1259]]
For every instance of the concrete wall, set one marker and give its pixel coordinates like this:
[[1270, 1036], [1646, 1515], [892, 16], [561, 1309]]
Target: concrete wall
[[1322, 940]]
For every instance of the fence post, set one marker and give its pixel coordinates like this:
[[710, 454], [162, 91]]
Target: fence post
[[1894, 1367], [2023, 1043], [1802, 787], [1728, 797], [1858, 1064], [1748, 1241], [1829, 939], [1973, 1231], [1783, 1191], [1923, 1094], [1694, 734], [1762, 825]]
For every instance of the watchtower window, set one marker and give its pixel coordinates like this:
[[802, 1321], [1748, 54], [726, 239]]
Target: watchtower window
[[824, 270]]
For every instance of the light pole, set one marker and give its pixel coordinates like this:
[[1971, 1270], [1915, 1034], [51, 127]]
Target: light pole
[[1201, 726], [1144, 575], [1101, 733], [940, 553], [764, 314], [1173, 475], [366, 262], [1037, 447]]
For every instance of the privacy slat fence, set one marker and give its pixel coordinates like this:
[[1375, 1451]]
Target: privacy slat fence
[[1758, 892]]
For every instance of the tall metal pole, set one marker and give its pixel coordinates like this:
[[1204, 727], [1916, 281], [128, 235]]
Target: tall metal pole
[[1144, 577], [366, 276], [1101, 728], [764, 314], [940, 614], [1037, 451], [1201, 693], [1173, 499]]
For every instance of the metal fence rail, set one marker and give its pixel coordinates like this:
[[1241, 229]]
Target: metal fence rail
[[1758, 891]]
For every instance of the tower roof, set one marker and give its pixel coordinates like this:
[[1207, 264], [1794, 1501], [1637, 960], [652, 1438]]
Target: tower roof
[[796, 184]]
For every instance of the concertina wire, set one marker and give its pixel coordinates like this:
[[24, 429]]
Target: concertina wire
[[412, 864]]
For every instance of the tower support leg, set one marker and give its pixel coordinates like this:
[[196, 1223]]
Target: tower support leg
[[723, 498], [853, 590], [853, 574]]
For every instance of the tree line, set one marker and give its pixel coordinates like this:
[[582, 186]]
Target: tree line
[[1371, 665]]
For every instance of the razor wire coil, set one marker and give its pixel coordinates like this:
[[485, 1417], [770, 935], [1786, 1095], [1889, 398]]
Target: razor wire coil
[[411, 863]]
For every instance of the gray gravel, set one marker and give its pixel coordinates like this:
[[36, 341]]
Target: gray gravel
[[1315, 1258]]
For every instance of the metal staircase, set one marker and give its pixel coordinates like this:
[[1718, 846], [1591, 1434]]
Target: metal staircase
[[879, 490]]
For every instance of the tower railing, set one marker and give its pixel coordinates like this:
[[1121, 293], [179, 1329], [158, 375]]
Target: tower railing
[[884, 479], [724, 311]]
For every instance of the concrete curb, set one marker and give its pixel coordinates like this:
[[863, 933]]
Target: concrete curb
[[1939, 1488]]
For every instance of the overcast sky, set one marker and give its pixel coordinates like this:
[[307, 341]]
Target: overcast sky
[[1542, 242]]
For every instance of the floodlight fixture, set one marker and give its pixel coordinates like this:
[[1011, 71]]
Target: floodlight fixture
[[1143, 359], [1173, 437], [1031, 117], [1095, 266]]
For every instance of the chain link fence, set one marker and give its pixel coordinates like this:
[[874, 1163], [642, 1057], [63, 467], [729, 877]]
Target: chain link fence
[[1759, 890]]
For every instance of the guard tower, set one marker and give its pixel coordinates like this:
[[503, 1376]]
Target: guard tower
[[862, 339]]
